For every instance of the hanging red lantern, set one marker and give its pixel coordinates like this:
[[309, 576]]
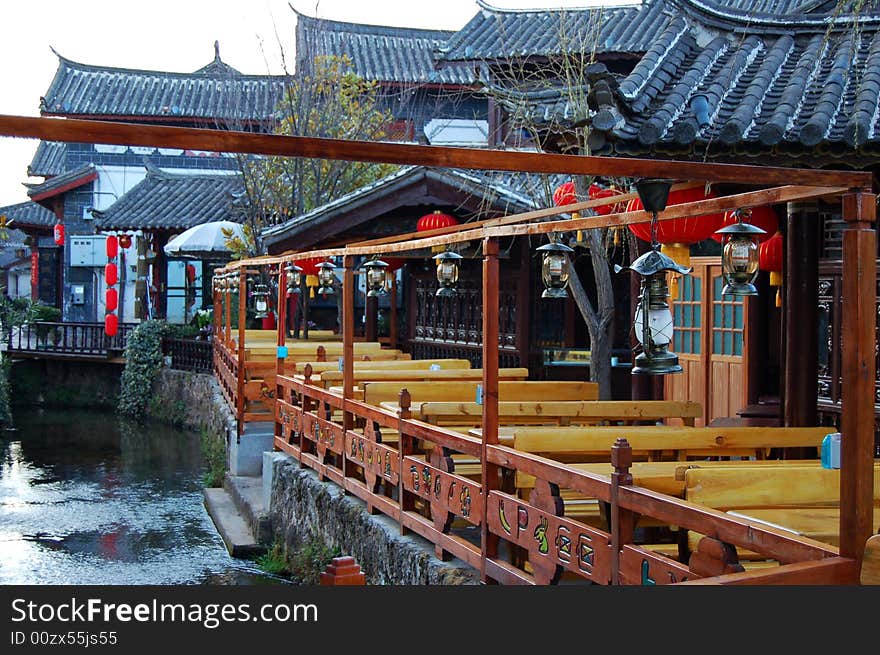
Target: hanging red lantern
[[434, 221], [565, 194], [111, 324], [595, 191], [111, 300], [763, 217], [58, 234], [111, 274], [124, 241], [394, 263], [309, 266], [770, 259], [112, 244]]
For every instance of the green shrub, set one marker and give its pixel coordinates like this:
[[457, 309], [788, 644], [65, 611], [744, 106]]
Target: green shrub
[[143, 361], [5, 409], [274, 560], [214, 452], [311, 560]]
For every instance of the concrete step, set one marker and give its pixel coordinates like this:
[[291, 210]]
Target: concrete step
[[247, 494], [231, 526]]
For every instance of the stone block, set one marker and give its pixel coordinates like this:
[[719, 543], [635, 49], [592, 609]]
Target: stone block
[[246, 452]]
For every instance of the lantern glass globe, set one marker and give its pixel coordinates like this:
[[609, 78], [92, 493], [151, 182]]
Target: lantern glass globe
[[659, 326]]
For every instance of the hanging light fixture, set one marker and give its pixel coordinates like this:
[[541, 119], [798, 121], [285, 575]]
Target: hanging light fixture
[[448, 263], [294, 277], [375, 272], [326, 278], [653, 319], [739, 255], [261, 300], [555, 268]]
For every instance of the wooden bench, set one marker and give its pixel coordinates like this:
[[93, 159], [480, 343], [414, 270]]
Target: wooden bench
[[375, 393], [393, 364], [329, 378], [802, 499]]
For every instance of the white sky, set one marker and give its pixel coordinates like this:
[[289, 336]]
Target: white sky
[[177, 35]]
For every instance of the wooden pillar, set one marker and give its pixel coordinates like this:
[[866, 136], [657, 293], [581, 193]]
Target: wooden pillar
[[371, 325], [858, 372], [242, 319], [306, 296], [523, 308], [392, 320], [227, 328], [801, 266], [348, 334], [282, 334], [490, 472]]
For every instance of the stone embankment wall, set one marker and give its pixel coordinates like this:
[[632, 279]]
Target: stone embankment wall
[[301, 508], [57, 383], [193, 400]]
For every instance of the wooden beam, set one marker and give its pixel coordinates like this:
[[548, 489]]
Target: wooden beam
[[858, 368], [88, 131]]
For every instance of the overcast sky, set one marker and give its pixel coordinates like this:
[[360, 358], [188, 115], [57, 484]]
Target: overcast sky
[[176, 35]]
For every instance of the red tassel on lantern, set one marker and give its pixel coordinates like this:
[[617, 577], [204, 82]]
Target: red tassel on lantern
[[112, 247], [111, 274], [111, 324], [111, 300]]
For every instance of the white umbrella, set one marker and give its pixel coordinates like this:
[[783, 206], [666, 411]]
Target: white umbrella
[[205, 241]]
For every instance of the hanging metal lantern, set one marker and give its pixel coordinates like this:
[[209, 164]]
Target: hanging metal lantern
[[294, 277], [555, 268], [326, 278], [375, 272], [448, 263], [653, 319], [739, 256], [261, 300]]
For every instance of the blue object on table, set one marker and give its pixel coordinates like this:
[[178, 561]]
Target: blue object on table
[[479, 394], [831, 451], [341, 360], [434, 367], [282, 352]]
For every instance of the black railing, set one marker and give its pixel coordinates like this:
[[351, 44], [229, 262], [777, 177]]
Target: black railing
[[67, 339], [189, 354]]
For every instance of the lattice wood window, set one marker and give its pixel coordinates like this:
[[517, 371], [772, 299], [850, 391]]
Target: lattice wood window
[[687, 316], [727, 322]]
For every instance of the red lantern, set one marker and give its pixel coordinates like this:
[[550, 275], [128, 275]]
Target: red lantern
[[111, 300], [111, 274], [112, 247], [434, 221], [763, 217], [684, 231], [58, 233], [124, 241], [394, 263], [595, 191], [309, 266], [111, 324], [565, 194], [770, 259]]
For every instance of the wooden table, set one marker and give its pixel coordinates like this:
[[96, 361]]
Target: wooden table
[[819, 523]]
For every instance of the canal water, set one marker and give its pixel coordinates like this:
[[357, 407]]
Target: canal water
[[88, 499]]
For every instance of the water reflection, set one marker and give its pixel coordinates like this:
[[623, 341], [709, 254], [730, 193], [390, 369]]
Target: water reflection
[[87, 499]]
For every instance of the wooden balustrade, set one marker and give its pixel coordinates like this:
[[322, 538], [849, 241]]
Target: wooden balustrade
[[189, 354], [403, 468], [66, 340]]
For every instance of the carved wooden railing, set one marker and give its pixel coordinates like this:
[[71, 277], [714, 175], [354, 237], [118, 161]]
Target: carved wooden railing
[[226, 370], [379, 457], [62, 339]]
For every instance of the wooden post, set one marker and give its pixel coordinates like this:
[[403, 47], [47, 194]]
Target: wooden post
[[801, 344], [228, 311], [371, 326], [392, 320], [306, 292], [242, 319], [282, 335], [858, 372], [621, 520], [348, 335], [404, 448], [343, 571], [490, 472]]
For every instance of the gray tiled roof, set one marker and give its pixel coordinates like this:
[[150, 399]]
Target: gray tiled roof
[[166, 201], [507, 33], [505, 191], [214, 92], [763, 89], [48, 159], [29, 214], [379, 53], [63, 182]]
